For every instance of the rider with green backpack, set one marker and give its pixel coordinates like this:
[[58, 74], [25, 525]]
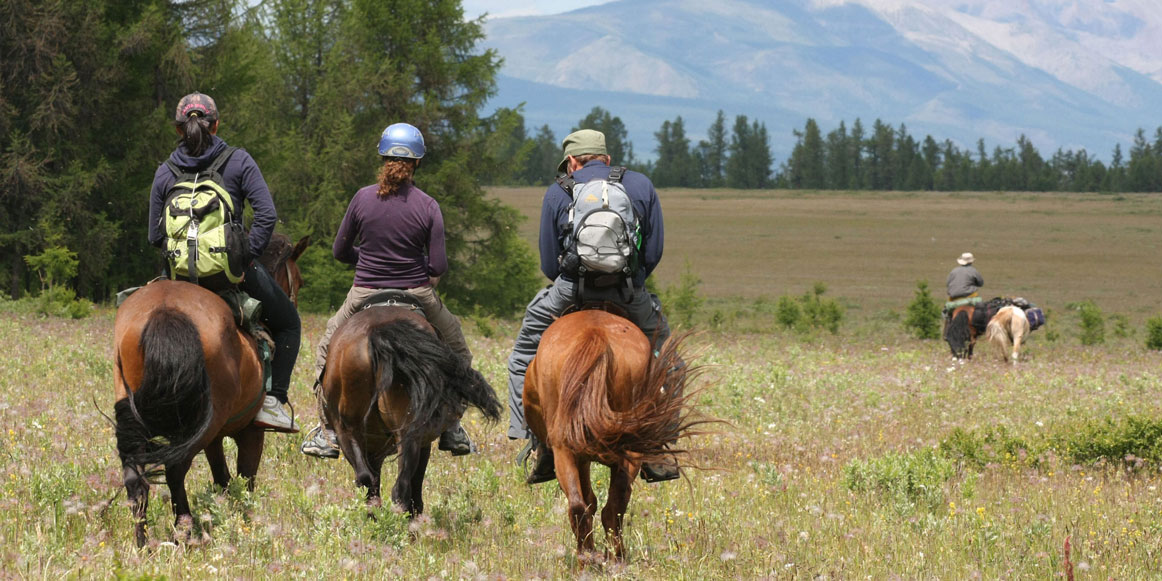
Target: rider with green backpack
[[195, 217]]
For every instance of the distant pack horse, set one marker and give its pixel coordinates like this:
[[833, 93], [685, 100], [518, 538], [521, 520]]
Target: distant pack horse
[[596, 393], [1006, 331], [185, 377], [390, 385]]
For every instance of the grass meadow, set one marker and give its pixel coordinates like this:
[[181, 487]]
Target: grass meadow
[[865, 454]]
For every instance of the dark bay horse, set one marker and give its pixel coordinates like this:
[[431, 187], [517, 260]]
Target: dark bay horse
[[185, 377], [391, 386], [596, 393], [959, 331]]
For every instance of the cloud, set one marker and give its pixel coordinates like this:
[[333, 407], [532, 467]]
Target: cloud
[[509, 8]]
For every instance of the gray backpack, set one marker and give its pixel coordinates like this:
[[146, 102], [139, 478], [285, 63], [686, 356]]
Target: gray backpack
[[605, 233]]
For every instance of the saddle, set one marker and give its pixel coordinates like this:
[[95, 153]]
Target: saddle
[[984, 313], [607, 306], [393, 297]]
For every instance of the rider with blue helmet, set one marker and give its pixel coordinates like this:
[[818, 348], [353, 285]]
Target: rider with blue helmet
[[400, 234]]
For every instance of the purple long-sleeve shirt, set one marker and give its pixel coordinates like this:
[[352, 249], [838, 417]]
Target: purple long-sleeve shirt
[[394, 242], [244, 182]]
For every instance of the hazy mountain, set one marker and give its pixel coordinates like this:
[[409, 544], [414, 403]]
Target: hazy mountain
[[1067, 73]]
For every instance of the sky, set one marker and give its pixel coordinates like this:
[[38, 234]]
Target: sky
[[501, 8]]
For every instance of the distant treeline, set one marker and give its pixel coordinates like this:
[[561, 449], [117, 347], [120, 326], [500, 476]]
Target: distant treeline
[[884, 158]]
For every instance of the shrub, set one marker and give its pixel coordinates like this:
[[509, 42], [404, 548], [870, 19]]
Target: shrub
[[1092, 323], [923, 316], [915, 478], [1128, 439], [994, 445], [1154, 333], [682, 299], [54, 266], [809, 311], [1121, 325], [787, 312]]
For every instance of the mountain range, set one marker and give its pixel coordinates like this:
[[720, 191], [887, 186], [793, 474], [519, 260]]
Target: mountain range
[[1070, 74]]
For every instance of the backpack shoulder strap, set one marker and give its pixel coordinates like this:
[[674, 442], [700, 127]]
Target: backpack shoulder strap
[[616, 173], [567, 182], [216, 167]]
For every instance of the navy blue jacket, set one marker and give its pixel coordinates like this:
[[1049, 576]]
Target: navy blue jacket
[[555, 218], [243, 180]]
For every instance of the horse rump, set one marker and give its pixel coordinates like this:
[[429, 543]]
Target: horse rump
[[166, 416], [440, 383], [585, 422]]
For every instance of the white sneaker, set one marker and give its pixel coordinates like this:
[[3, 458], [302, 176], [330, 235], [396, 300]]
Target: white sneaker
[[273, 417]]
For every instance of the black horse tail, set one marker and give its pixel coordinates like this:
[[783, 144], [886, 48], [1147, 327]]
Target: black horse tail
[[958, 335], [440, 383], [163, 420]]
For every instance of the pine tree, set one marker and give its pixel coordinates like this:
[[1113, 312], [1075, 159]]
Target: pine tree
[[617, 143], [674, 165]]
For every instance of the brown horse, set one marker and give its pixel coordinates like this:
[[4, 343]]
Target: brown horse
[[185, 377], [1006, 331], [959, 331], [390, 385], [596, 393]]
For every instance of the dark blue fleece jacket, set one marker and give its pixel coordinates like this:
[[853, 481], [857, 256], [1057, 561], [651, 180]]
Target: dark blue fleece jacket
[[243, 180], [555, 217]]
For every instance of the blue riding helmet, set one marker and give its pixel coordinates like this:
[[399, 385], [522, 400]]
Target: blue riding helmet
[[402, 140]]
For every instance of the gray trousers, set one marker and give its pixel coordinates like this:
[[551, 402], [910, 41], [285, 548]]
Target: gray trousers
[[643, 309], [446, 324]]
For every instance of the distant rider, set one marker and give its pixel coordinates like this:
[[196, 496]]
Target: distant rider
[[965, 280]]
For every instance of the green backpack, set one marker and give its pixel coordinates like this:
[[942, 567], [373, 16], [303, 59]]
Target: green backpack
[[204, 242]]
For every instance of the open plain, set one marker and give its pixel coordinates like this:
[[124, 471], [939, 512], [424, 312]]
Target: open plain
[[865, 454]]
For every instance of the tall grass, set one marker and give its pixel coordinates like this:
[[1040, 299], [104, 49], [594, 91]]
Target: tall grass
[[810, 480]]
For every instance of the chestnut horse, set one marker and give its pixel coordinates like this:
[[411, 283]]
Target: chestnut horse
[[1006, 331], [390, 385], [185, 377], [596, 393]]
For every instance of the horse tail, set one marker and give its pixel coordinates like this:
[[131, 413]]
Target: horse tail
[[440, 383], [585, 422], [997, 335], [959, 335], [165, 418]]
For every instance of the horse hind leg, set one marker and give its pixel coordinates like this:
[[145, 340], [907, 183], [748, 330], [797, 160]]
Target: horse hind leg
[[613, 515], [216, 458], [353, 446], [250, 443], [175, 478], [408, 492], [580, 511], [137, 489]]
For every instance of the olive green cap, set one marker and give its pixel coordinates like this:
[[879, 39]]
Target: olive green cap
[[582, 142]]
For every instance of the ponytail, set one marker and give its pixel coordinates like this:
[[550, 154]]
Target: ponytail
[[396, 172], [195, 134]]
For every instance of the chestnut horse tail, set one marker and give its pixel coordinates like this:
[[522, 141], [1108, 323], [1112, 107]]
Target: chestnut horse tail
[[439, 382], [586, 424], [166, 416]]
